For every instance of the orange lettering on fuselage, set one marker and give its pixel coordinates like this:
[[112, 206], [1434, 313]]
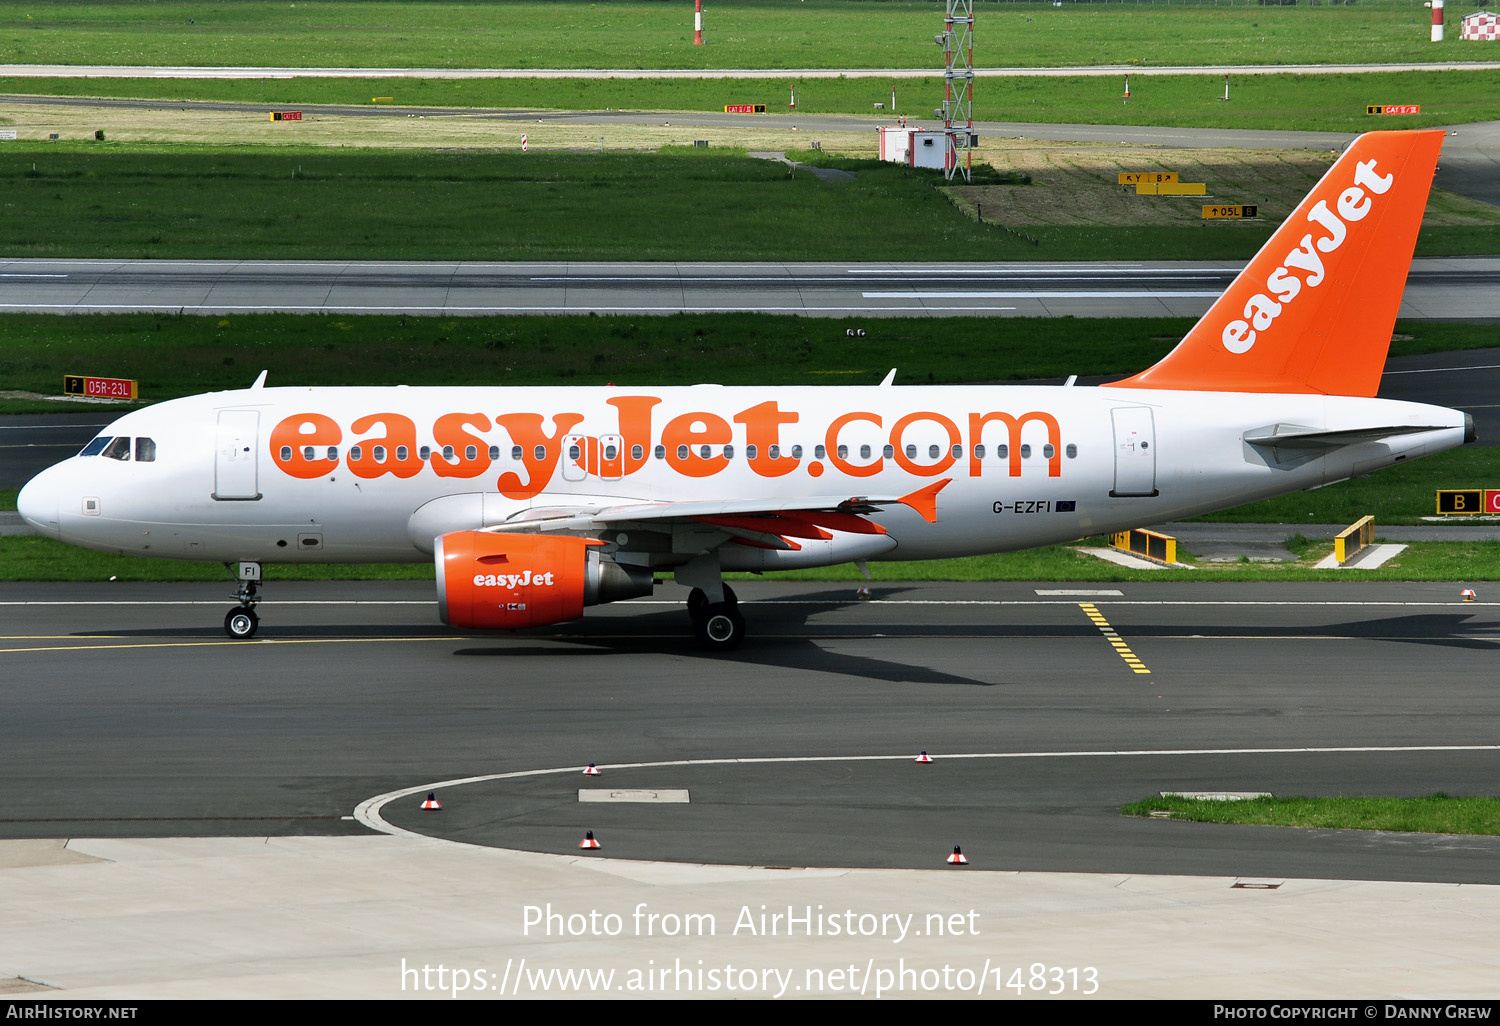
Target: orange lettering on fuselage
[[397, 448], [692, 444], [686, 437], [539, 451], [449, 431], [977, 421], [292, 436]]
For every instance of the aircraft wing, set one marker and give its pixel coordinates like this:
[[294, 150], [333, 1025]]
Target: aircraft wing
[[770, 522]]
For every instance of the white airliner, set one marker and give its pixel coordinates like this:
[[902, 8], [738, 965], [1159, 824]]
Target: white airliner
[[536, 502]]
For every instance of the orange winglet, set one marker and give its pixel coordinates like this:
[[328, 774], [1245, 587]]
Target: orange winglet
[[1313, 311], [924, 501]]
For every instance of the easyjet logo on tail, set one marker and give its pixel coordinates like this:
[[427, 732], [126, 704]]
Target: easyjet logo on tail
[[1302, 267], [1312, 312]]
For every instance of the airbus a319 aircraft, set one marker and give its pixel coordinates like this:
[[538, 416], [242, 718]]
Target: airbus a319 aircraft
[[537, 502]]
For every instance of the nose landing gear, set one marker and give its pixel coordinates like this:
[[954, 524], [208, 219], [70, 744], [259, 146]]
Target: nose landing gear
[[241, 622]]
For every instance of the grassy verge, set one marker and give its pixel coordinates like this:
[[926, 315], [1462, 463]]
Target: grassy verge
[[1328, 103], [196, 202], [1432, 814], [1395, 495], [747, 33], [1398, 495], [173, 356], [30, 558]]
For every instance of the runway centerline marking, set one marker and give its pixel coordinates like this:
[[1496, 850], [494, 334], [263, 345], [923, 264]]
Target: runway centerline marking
[[1113, 637]]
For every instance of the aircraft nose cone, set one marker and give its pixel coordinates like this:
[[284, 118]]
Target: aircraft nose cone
[[38, 503]]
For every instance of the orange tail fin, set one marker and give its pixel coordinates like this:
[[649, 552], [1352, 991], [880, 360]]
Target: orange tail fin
[[1313, 311]]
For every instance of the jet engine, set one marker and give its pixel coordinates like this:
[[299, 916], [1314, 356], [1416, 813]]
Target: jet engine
[[506, 581]]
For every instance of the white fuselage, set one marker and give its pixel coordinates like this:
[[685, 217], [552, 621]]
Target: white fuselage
[[270, 474]]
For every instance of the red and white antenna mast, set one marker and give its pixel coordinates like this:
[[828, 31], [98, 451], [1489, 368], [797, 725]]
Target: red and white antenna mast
[[697, 22], [957, 42]]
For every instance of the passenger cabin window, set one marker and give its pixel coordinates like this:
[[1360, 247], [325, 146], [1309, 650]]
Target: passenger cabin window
[[661, 452], [1072, 451], [1026, 451], [95, 447], [356, 454], [494, 452], [637, 453], [424, 453], [796, 452], [979, 452], [515, 453], [540, 452], [117, 449], [145, 450]]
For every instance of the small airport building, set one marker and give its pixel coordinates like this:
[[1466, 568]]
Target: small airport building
[[1480, 25], [905, 144]]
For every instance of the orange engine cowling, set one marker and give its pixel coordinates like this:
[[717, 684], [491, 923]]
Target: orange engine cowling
[[506, 581]]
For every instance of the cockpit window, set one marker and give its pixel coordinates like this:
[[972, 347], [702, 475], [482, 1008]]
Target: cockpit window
[[117, 449], [95, 447], [145, 450]]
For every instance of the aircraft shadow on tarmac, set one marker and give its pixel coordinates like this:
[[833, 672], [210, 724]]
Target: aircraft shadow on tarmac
[[667, 633], [1451, 630]]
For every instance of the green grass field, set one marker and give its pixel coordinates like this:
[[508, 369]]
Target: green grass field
[[747, 33], [174, 356], [200, 202], [1432, 814], [159, 201], [1334, 103]]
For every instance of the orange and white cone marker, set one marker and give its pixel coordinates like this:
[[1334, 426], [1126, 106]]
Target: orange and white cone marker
[[432, 802], [1467, 594], [924, 757], [593, 771], [957, 858], [588, 843]]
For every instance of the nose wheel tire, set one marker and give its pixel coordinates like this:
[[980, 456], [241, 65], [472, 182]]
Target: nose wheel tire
[[241, 623]]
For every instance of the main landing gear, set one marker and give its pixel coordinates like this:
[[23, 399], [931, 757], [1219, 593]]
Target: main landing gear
[[241, 622], [718, 625]]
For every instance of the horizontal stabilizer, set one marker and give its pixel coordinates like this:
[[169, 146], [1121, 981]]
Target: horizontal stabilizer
[[1285, 437]]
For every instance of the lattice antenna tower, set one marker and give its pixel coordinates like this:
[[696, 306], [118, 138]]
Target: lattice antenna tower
[[957, 41]]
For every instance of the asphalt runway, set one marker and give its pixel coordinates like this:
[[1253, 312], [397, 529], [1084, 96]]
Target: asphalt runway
[[1453, 288], [130, 714]]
